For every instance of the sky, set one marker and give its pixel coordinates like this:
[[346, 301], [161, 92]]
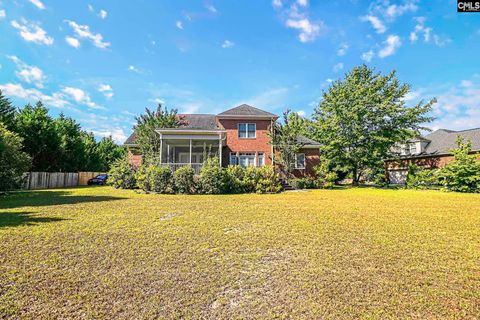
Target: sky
[[103, 62]]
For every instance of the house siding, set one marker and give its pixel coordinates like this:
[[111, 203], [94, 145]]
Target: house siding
[[261, 143], [312, 159]]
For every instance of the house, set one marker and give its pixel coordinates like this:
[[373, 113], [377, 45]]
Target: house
[[432, 151], [238, 136]]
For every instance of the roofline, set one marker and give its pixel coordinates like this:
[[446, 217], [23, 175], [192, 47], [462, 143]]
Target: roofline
[[428, 155], [211, 131], [311, 146], [249, 116]]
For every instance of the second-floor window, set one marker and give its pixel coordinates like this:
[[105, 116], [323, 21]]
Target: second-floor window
[[247, 130]]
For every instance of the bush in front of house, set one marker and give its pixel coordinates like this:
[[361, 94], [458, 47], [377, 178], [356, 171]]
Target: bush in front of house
[[326, 177], [234, 180], [122, 175], [267, 180], [422, 178], [303, 183], [184, 180], [160, 179], [212, 179]]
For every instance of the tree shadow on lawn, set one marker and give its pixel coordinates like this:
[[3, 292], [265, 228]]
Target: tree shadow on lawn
[[40, 198], [15, 219]]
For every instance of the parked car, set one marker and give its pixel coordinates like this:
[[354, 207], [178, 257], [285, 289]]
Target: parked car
[[101, 180]]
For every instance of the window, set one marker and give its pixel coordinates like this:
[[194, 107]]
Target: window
[[247, 159], [300, 161], [233, 159], [261, 159], [413, 148], [247, 130]]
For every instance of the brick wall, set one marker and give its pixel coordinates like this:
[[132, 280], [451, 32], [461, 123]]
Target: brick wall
[[312, 159], [261, 143]]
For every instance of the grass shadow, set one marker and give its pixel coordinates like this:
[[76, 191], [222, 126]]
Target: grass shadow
[[48, 198], [15, 219]]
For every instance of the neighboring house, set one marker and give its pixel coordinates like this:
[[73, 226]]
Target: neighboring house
[[238, 136], [432, 151]]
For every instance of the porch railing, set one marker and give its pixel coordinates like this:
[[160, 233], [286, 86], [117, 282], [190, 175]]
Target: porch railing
[[174, 166]]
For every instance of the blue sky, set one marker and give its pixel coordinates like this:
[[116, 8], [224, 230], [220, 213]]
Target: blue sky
[[102, 62]]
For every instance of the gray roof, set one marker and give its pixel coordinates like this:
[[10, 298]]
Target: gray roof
[[442, 141], [199, 121], [246, 110], [308, 142]]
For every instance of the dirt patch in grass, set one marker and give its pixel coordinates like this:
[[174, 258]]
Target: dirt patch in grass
[[332, 254]]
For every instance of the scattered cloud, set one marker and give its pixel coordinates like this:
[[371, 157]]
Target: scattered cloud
[[277, 3], [301, 113], [269, 100], [38, 4], [74, 42], [376, 23], [134, 69], [117, 133], [106, 90], [3, 14], [17, 90], [90, 8], [308, 31], [302, 3], [179, 25], [83, 32], [80, 96], [29, 74], [392, 11], [32, 32], [296, 17], [211, 8], [367, 56], [338, 67], [342, 50], [427, 33], [391, 46], [103, 14], [227, 44]]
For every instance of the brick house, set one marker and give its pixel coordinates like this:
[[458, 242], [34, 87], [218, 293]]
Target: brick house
[[432, 151], [238, 136]]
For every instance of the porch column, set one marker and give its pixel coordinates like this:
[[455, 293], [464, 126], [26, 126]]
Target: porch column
[[161, 148], [190, 157], [168, 153], [220, 148]]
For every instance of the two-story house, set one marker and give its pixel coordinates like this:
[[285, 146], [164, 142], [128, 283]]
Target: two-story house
[[238, 136], [432, 151]]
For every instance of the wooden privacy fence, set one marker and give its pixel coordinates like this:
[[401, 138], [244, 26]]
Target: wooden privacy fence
[[49, 180]]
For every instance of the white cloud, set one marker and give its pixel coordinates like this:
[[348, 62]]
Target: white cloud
[[393, 11], [106, 89], [80, 96], [227, 44], [72, 41], [342, 50], [18, 91], [3, 14], [29, 74], [211, 8], [338, 67], [367, 56], [117, 134], [103, 14], [391, 45], [32, 32], [377, 24], [90, 8], [301, 113], [302, 3], [296, 17], [83, 31], [38, 4], [309, 31], [133, 69], [179, 25], [277, 3], [427, 32]]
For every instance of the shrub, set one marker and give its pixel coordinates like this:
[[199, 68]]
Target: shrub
[[326, 177], [234, 180], [267, 180], [142, 177], [122, 175], [13, 161], [250, 180], [184, 180], [160, 179], [303, 183], [462, 174], [211, 177], [420, 178]]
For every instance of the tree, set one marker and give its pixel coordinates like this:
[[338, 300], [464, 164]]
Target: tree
[[362, 116], [40, 138], [13, 161], [147, 139], [72, 153], [7, 112], [93, 161], [462, 174], [284, 138], [109, 152]]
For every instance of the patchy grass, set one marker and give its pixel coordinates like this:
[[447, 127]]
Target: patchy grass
[[354, 253]]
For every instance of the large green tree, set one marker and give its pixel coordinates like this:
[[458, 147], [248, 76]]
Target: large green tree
[[284, 138], [7, 112], [147, 139], [109, 152], [40, 138], [72, 155], [362, 116], [13, 161]]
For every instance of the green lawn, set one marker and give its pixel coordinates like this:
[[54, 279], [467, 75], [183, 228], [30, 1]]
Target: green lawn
[[341, 254]]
